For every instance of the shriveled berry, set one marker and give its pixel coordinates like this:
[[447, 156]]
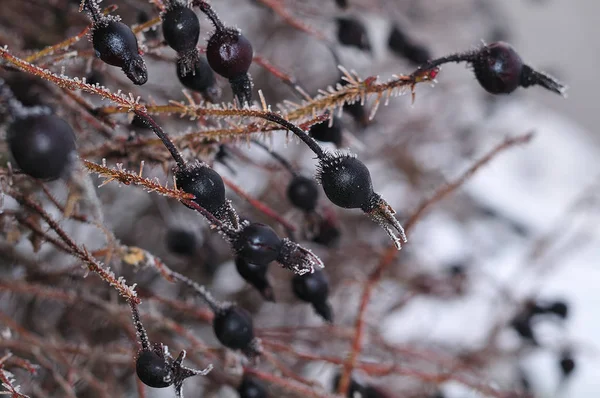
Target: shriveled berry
[[181, 28], [352, 32], [181, 241], [152, 370], [205, 184], [325, 133], [200, 79], [256, 275], [250, 387], [42, 146], [115, 44], [346, 181], [498, 68], [229, 53], [303, 193], [233, 327], [257, 243], [314, 288]]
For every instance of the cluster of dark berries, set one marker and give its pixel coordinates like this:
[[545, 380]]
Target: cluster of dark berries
[[522, 323]]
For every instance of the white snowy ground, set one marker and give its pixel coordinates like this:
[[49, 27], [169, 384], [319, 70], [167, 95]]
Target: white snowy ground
[[536, 185]]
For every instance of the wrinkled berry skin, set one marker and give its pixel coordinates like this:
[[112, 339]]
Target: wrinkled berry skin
[[498, 68], [181, 29], [258, 244], [200, 79], [346, 181], [152, 370], [42, 146], [115, 44], [229, 53], [252, 388], [303, 193], [205, 184], [233, 328]]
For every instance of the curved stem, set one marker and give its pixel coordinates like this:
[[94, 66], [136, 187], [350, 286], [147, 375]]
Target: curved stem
[[92, 7], [214, 305], [311, 143], [210, 13], [164, 137]]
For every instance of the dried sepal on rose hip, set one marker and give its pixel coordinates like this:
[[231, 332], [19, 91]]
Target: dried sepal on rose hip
[[499, 69], [347, 183], [154, 365], [258, 244], [116, 44]]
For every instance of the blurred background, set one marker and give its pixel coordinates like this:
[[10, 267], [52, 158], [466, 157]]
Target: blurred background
[[523, 231]]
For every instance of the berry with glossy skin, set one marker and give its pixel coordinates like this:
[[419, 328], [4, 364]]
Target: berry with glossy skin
[[42, 146], [204, 183], [200, 79], [181, 241], [352, 32], [346, 181], [498, 68], [233, 327], [229, 53], [257, 243], [256, 275], [181, 29], [324, 133], [402, 46], [115, 44], [314, 288], [152, 370], [251, 387], [303, 193]]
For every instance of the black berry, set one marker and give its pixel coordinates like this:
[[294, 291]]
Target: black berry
[[352, 32], [303, 192], [181, 241], [205, 184], [559, 308], [325, 133], [314, 288], [346, 181], [152, 370], [201, 78], [181, 29], [42, 146], [342, 3], [115, 44], [233, 328], [498, 68], [566, 364], [402, 46], [257, 243], [256, 275], [250, 387], [229, 53], [327, 234]]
